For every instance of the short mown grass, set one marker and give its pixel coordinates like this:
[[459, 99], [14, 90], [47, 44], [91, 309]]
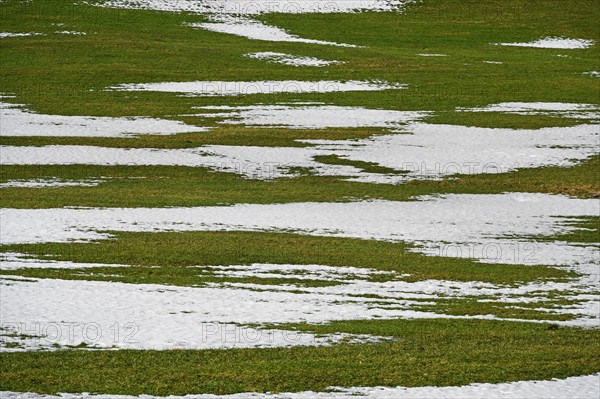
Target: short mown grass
[[173, 252], [424, 353], [69, 75]]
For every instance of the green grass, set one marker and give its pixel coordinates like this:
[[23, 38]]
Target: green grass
[[68, 75], [157, 186], [425, 352], [173, 252]]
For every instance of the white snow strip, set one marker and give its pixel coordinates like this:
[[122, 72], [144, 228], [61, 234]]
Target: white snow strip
[[563, 110], [432, 55], [439, 223], [17, 121], [430, 152], [583, 387], [297, 272], [292, 60], [355, 285], [144, 316], [595, 74], [50, 183], [493, 62], [256, 30], [224, 88], [18, 261], [311, 116], [554, 42], [254, 7], [71, 32], [4, 35]]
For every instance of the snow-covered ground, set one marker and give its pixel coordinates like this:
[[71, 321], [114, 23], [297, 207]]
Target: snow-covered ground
[[144, 316], [289, 59], [554, 43], [18, 121], [253, 7], [256, 30], [55, 182], [563, 110], [222, 88], [583, 387], [440, 224], [426, 151], [16, 34], [235, 16]]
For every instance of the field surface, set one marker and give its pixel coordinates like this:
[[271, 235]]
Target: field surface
[[299, 199]]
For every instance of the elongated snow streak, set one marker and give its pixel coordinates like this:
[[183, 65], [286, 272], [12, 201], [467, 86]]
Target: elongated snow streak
[[256, 30], [554, 43], [144, 316], [429, 152], [254, 7], [226, 88], [50, 183], [19, 122], [583, 387], [4, 35], [289, 59], [440, 223], [562, 110]]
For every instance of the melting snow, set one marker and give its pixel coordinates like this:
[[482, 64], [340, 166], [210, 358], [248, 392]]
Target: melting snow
[[71, 32], [13, 34], [254, 7], [583, 387], [430, 152], [144, 316], [554, 42], [17, 261], [45, 183], [440, 223], [563, 110], [21, 122], [223, 88], [312, 116], [256, 30], [288, 59]]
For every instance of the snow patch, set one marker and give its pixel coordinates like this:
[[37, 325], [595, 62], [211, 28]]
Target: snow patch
[[311, 116], [583, 387], [256, 30], [288, 59], [19, 122], [4, 35], [160, 317], [255, 7], [554, 42], [429, 152], [225, 88], [437, 224], [50, 183], [563, 110]]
